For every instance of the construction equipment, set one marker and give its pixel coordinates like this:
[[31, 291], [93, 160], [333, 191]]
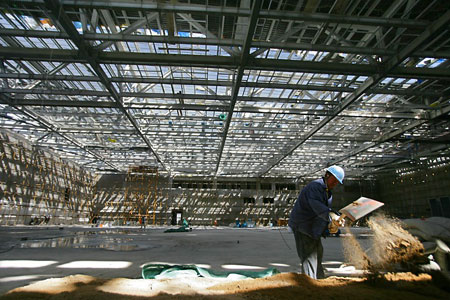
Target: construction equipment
[[354, 211], [359, 208]]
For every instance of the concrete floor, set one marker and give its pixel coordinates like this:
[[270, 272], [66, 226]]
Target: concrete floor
[[33, 253]]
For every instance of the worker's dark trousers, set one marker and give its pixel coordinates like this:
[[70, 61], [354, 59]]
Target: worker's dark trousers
[[310, 252]]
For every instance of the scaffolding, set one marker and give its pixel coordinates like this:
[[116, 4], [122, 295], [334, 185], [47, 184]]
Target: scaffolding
[[141, 194]]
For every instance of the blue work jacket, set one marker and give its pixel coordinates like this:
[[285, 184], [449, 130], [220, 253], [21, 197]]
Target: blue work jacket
[[310, 214]]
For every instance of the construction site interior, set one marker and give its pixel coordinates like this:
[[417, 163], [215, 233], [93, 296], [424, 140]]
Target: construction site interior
[[155, 149]]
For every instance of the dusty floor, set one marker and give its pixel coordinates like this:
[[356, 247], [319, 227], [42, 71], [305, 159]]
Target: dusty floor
[[279, 287], [84, 263]]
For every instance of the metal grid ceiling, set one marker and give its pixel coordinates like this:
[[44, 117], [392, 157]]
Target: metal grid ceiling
[[229, 88]]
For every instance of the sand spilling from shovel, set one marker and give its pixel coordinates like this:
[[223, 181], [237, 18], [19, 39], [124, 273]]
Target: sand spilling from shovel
[[391, 246]]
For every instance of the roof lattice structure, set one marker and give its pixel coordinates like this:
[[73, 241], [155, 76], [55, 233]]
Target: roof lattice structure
[[229, 88]]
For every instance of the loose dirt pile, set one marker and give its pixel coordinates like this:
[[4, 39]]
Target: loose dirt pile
[[279, 287], [392, 246]]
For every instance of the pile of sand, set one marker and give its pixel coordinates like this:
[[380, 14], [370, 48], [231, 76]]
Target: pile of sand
[[391, 247], [391, 243], [279, 287]]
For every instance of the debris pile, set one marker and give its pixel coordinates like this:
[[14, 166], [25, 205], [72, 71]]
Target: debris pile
[[392, 246]]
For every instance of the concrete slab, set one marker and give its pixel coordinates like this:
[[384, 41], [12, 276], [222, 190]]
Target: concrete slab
[[33, 253]]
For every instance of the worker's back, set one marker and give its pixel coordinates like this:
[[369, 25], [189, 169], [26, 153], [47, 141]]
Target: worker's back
[[310, 212]]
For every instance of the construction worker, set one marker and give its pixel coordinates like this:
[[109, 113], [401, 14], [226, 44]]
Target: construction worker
[[310, 217]]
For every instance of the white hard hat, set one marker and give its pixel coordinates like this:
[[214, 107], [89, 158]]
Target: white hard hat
[[337, 172]]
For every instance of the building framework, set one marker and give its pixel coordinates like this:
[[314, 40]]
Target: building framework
[[227, 88]]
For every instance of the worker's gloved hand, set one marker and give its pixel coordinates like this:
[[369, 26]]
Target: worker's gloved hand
[[333, 227], [335, 223]]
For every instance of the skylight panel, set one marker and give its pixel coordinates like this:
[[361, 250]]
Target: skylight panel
[[190, 89], [97, 86], [350, 77], [74, 70], [223, 76], [221, 90], [47, 24], [15, 22], [310, 55], [30, 22], [273, 53], [78, 84], [276, 93], [212, 75], [132, 47], [399, 80], [149, 73], [165, 69], [157, 88], [49, 66], [265, 93], [198, 35], [78, 26], [286, 93], [4, 22], [24, 42], [177, 88], [437, 62], [159, 47], [263, 54], [422, 63], [325, 76], [322, 55], [167, 88], [386, 80], [222, 52], [362, 78], [143, 47], [284, 55], [30, 66], [212, 50]]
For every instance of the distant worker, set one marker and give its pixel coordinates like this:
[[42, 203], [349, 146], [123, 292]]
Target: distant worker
[[310, 218]]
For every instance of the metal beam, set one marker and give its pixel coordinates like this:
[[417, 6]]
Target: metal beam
[[275, 44], [435, 28], [225, 99], [220, 108], [209, 61], [273, 85], [222, 98], [64, 23], [130, 29], [206, 32], [51, 128], [430, 152], [237, 11], [245, 53]]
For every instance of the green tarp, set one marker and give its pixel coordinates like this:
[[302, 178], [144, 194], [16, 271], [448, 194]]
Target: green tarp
[[180, 229], [184, 228], [160, 271]]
